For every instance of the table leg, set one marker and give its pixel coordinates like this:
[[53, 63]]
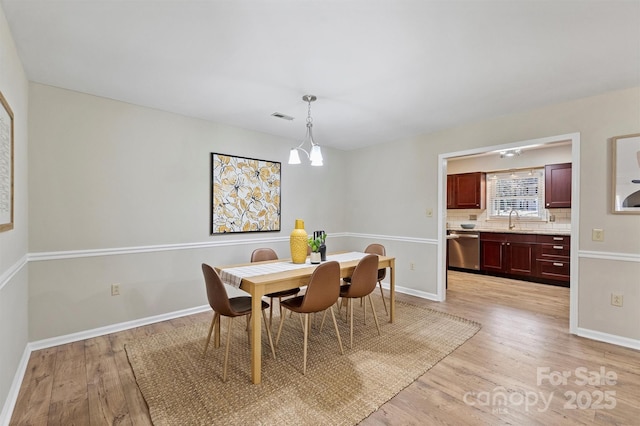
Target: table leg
[[256, 337], [392, 291]]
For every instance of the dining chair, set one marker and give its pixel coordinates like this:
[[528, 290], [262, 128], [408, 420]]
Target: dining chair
[[222, 305], [260, 255], [363, 283], [322, 293], [382, 273]]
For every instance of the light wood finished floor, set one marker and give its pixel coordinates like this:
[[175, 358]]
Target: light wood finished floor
[[524, 329]]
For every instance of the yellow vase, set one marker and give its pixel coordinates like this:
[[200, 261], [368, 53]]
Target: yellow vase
[[298, 243]]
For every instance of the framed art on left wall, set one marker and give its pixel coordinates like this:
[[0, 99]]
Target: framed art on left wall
[[6, 165], [245, 194]]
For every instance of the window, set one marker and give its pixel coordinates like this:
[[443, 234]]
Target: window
[[522, 191]]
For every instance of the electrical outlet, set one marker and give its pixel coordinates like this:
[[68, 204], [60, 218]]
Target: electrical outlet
[[552, 218], [412, 266], [597, 234], [616, 300], [115, 289], [429, 212]]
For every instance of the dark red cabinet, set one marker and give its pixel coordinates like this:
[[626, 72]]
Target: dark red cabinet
[[553, 259], [506, 253], [532, 257], [466, 190], [557, 185]]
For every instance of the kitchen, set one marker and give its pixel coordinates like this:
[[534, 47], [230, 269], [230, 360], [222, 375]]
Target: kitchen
[[509, 213]]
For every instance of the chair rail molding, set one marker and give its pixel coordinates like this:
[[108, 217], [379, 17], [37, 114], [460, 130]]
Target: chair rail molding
[[13, 270]]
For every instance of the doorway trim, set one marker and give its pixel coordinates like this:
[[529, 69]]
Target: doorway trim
[[575, 210]]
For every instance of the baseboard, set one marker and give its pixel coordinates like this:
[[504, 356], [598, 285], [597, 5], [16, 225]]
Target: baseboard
[[413, 292], [608, 338], [114, 328], [14, 390]]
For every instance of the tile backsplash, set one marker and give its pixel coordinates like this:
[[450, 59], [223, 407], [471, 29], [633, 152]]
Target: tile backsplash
[[562, 220]]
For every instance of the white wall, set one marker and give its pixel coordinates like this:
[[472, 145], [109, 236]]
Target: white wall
[[120, 194], [13, 243], [539, 157], [399, 181]]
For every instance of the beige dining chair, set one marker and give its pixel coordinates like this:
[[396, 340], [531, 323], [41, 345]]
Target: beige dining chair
[[322, 293], [260, 255], [222, 305], [363, 283], [382, 273]]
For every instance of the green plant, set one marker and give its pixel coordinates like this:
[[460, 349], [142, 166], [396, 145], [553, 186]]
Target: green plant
[[316, 242]]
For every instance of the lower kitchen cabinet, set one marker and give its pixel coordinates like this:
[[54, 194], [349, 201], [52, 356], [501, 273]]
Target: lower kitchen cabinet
[[508, 253], [532, 257], [553, 259]]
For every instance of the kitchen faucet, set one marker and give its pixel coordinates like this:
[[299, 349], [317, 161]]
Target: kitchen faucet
[[511, 226]]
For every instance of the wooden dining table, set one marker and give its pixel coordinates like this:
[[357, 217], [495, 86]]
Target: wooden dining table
[[259, 285]]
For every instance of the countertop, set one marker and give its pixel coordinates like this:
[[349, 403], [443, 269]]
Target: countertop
[[515, 231]]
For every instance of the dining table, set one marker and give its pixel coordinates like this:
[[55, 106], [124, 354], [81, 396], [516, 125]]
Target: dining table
[[261, 278]]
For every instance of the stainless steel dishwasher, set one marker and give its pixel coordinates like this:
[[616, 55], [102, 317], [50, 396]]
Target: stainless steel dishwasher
[[464, 249]]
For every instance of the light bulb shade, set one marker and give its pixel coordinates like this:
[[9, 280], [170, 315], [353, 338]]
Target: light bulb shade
[[315, 156], [294, 158]]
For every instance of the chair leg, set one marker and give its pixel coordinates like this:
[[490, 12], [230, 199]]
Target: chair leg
[[375, 317], [304, 349], [226, 353], [271, 309], [249, 328], [335, 324], [383, 301], [273, 351], [351, 325], [364, 306], [282, 318], [213, 323], [324, 315]]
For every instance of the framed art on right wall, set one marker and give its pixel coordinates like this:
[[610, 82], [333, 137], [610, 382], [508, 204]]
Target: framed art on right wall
[[626, 173], [6, 165]]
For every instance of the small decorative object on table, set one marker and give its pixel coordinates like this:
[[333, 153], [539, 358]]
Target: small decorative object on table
[[318, 248], [298, 243]]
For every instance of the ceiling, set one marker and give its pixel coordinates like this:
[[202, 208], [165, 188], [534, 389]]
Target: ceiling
[[382, 70]]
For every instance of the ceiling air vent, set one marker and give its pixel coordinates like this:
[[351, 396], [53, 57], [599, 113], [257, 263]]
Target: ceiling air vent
[[281, 115]]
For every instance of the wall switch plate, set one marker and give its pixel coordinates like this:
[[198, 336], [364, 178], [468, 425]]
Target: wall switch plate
[[429, 212], [115, 289], [616, 300], [597, 234], [552, 218], [473, 217], [412, 266]]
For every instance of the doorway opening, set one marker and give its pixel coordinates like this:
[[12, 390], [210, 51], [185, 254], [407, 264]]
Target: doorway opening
[[574, 139]]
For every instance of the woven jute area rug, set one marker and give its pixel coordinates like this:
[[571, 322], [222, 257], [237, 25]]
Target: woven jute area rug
[[182, 387]]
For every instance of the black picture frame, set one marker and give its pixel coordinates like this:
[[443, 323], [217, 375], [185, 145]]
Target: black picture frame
[[245, 194]]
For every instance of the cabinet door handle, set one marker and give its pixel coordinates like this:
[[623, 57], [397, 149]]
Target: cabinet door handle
[[558, 264], [558, 238], [558, 247]]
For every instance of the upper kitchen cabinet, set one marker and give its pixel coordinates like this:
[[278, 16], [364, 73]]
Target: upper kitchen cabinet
[[557, 185], [466, 191]]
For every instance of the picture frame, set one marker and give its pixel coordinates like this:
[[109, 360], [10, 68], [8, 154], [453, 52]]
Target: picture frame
[[245, 194], [626, 174], [6, 165]]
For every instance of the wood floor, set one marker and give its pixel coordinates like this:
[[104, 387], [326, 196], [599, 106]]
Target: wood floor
[[511, 372]]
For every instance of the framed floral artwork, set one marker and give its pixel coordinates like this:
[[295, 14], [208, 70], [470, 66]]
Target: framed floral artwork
[[626, 174], [245, 194], [6, 165]]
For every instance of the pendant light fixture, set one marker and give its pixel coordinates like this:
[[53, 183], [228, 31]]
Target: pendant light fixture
[[314, 154]]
